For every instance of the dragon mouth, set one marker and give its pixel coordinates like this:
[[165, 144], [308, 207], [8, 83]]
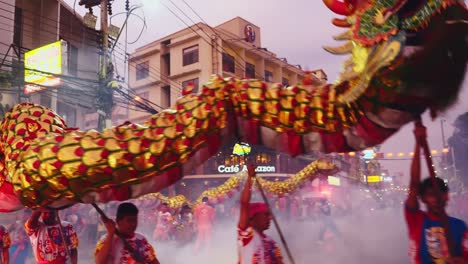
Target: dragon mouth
[[344, 8]]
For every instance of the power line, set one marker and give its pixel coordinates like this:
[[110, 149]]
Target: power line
[[228, 44], [83, 29], [47, 73], [243, 67], [157, 74], [191, 28], [214, 31], [63, 23]]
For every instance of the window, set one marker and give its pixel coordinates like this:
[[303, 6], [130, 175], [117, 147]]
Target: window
[[190, 55], [72, 59], [249, 71], [268, 76], [228, 63], [166, 42], [142, 70], [285, 81], [166, 66], [166, 96], [192, 81], [18, 31]]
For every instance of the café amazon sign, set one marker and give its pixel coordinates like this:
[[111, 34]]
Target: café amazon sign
[[237, 169]]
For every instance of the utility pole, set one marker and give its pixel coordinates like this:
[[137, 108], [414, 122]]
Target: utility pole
[[105, 99], [104, 93]]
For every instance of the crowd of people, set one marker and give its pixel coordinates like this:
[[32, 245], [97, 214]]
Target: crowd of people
[[53, 237]]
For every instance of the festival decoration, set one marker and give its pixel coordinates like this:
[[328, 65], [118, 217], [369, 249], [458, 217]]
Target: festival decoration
[[289, 185], [44, 163], [232, 185]]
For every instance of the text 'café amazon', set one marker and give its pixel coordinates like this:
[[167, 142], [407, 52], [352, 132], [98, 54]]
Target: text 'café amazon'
[[232, 160]]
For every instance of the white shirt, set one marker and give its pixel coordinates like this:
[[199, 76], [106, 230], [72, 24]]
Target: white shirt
[[256, 248], [119, 255]]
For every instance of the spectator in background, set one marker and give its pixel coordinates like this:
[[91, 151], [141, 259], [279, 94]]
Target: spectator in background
[[47, 241], [325, 219], [235, 210], [4, 245], [163, 223], [92, 226], [294, 213], [204, 216], [184, 226], [20, 248]]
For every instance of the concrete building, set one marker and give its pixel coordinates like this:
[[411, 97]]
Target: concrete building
[[159, 70], [30, 24], [320, 74]]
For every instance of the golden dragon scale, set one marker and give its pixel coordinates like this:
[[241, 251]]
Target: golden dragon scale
[[45, 164]]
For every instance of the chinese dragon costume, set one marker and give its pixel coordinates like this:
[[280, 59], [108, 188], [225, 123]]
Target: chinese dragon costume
[[405, 57]]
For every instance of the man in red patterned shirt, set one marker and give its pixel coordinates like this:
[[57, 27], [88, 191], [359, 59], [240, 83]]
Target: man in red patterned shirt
[[47, 238], [254, 246], [112, 250]]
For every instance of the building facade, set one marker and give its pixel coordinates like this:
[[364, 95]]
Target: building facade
[[30, 24], [160, 70]]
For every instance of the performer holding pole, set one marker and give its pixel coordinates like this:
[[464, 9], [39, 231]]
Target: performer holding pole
[[53, 241], [428, 241], [122, 244], [254, 219]]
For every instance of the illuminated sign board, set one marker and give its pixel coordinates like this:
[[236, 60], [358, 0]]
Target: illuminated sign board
[[368, 154], [249, 33], [241, 149], [374, 178], [332, 180], [237, 168], [41, 64], [388, 179]]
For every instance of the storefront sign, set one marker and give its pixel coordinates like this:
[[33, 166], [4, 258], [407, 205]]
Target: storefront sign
[[374, 178], [368, 154], [241, 149], [332, 180], [388, 179], [42, 64], [237, 168]]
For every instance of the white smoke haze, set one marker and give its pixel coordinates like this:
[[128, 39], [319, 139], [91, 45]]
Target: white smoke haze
[[368, 235]]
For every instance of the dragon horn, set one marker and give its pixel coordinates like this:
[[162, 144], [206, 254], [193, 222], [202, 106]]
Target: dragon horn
[[340, 50], [343, 36], [345, 8], [341, 23]]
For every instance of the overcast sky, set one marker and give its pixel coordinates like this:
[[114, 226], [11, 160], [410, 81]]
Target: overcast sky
[[293, 29]]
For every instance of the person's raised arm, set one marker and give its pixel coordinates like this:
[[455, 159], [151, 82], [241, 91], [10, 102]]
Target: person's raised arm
[[33, 220], [245, 198], [412, 199], [103, 254]]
